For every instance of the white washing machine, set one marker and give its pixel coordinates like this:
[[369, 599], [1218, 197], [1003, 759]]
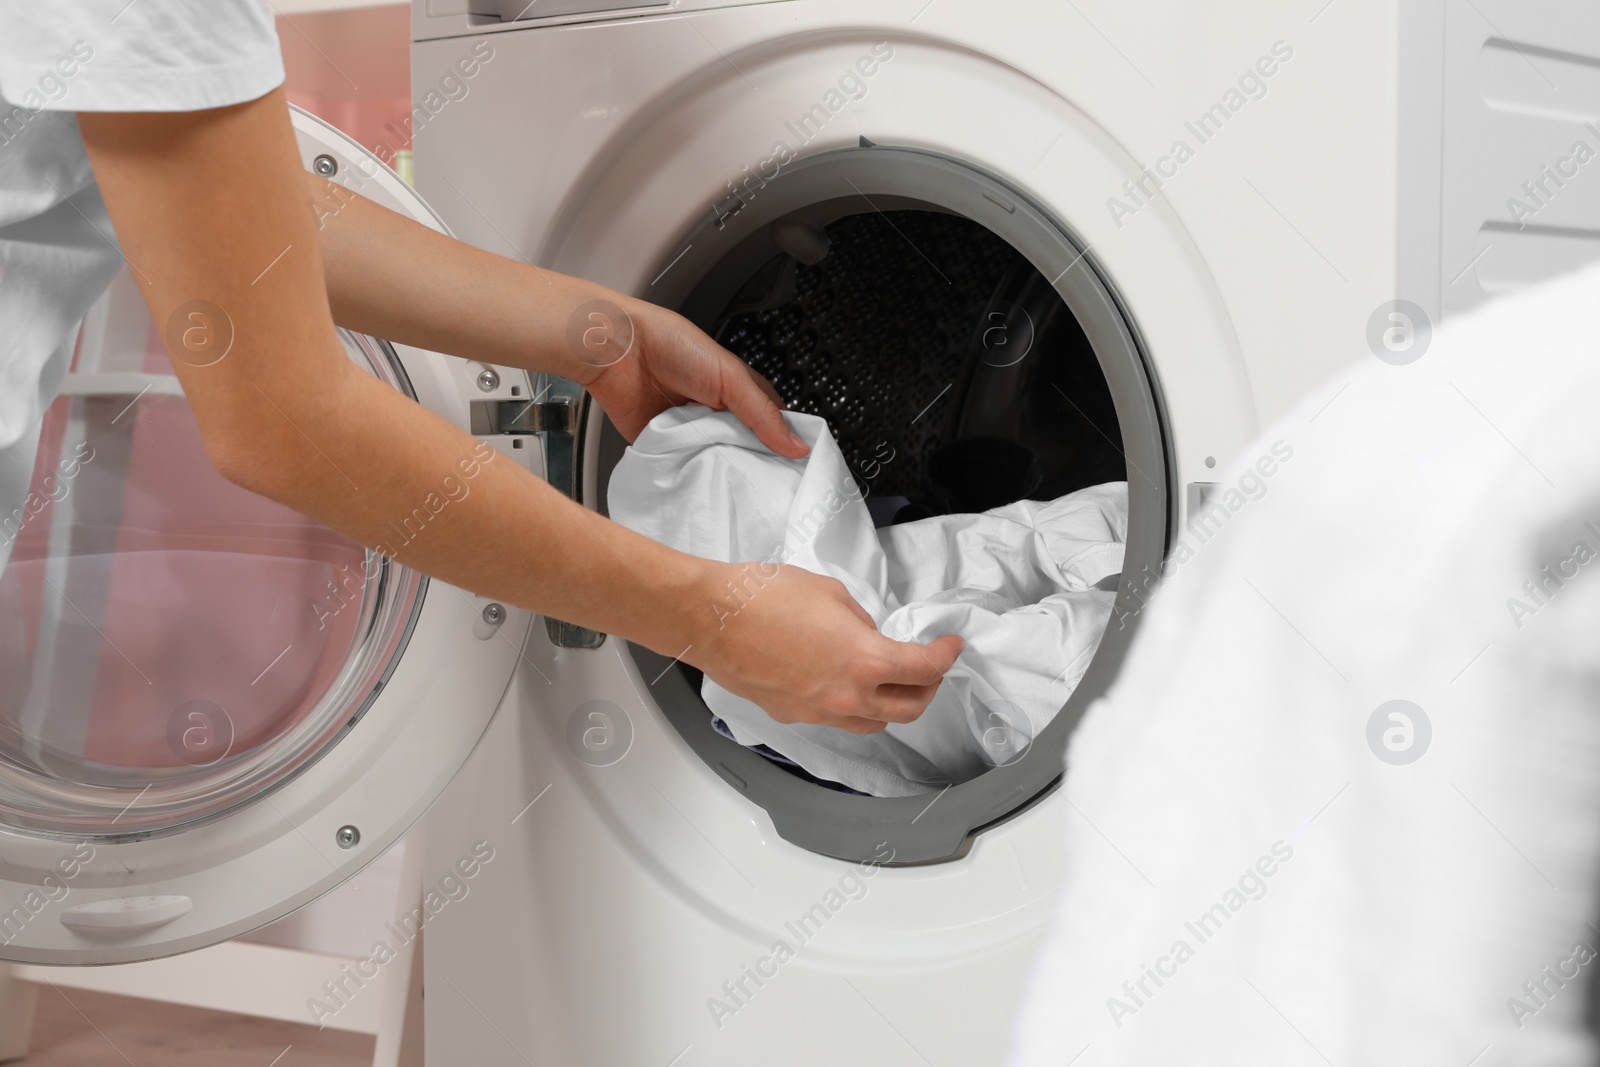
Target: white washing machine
[[214, 712], [1222, 203]]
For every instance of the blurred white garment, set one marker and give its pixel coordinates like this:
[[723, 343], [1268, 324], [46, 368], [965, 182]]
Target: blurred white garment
[[1255, 874], [1017, 583]]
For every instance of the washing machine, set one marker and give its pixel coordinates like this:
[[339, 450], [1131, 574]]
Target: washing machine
[[1122, 237], [1127, 236]]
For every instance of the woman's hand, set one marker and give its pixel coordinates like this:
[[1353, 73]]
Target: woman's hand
[[792, 642], [641, 359], [801, 648]]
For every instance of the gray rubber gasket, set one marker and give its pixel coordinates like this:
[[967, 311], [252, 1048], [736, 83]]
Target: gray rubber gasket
[[714, 261]]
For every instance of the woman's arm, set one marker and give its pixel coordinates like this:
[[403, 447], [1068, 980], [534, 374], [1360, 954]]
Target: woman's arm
[[210, 206], [393, 277]]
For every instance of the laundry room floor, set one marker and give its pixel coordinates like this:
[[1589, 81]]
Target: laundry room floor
[[76, 1028]]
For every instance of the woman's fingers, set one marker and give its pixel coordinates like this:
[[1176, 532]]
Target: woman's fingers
[[758, 408], [768, 388], [805, 651]]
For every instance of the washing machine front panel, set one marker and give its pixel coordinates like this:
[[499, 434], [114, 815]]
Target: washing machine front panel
[[657, 147], [621, 202], [602, 152], [220, 709]]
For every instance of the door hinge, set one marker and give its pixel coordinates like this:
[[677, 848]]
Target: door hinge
[[560, 421], [522, 416]]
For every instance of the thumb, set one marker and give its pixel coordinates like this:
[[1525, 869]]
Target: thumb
[[912, 664]]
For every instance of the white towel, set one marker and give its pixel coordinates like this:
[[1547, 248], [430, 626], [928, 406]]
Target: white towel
[[1017, 583], [1372, 911]]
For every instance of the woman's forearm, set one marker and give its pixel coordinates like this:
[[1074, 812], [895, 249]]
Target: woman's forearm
[[282, 411], [390, 276], [455, 519]]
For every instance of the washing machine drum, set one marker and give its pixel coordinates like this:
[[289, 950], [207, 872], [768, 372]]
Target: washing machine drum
[[953, 376]]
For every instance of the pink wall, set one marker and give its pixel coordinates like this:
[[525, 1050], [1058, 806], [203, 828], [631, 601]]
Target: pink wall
[[353, 68]]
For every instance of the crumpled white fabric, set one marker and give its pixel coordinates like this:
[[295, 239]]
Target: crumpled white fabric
[[1019, 584]]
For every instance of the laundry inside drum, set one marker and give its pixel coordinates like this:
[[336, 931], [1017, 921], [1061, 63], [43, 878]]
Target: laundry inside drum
[[973, 428]]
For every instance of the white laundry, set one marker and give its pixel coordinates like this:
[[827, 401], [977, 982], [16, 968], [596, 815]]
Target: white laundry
[[1018, 584], [1256, 877]]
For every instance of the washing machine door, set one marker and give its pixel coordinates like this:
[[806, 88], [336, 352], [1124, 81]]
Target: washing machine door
[[214, 709]]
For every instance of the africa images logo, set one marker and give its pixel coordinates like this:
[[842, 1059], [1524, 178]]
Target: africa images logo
[[1251, 85], [1250, 886]]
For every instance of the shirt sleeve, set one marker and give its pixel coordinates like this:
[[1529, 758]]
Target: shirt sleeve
[[136, 55]]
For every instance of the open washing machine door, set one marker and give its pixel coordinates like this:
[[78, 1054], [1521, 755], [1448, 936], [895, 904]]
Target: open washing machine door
[[214, 709]]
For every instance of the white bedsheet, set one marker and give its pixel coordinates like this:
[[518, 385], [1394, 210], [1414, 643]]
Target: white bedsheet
[[1017, 583]]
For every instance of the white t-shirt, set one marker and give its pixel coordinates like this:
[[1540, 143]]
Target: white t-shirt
[[57, 248]]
